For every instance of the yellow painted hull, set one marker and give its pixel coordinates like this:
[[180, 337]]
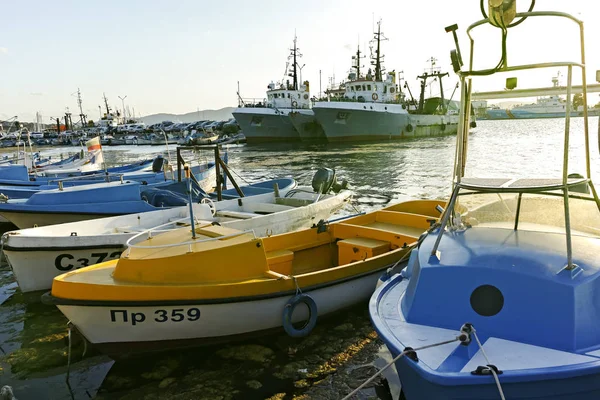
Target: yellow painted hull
[[223, 265], [171, 290]]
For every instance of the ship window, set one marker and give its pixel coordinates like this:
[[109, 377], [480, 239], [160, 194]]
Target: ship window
[[298, 95], [364, 88], [288, 95], [384, 89], [368, 87]]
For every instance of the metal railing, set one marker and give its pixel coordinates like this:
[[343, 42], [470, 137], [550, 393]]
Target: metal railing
[[463, 133]]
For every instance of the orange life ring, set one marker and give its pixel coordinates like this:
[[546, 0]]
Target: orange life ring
[[294, 104], [374, 96]]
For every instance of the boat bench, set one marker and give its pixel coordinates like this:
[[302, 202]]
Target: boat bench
[[359, 248], [237, 214], [215, 231], [280, 261]]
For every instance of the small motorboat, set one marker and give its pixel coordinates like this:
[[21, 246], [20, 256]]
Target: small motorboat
[[500, 299], [147, 172], [37, 255], [217, 283], [98, 200]]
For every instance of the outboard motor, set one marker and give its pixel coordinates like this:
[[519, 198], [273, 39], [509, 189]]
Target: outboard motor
[[158, 163], [324, 180]]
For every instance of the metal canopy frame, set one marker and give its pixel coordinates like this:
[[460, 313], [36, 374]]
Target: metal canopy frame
[[564, 183]]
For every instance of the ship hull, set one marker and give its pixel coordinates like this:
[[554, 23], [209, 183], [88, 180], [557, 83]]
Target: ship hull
[[521, 114], [261, 125], [346, 122], [432, 125], [309, 129], [364, 122], [498, 114]]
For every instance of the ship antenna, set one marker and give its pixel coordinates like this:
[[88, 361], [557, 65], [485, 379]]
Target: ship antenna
[[82, 116], [378, 57], [106, 104]]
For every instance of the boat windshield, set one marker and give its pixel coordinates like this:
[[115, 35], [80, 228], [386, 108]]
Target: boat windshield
[[529, 211]]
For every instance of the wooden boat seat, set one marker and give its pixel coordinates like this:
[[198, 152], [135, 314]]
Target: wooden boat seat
[[359, 248], [280, 261], [290, 201], [236, 214], [215, 231]]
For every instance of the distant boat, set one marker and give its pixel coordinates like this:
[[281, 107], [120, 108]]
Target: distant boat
[[544, 107], [268, 120], [373, 107]]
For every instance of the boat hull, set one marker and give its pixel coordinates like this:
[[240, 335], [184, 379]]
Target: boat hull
[[432, 125], [261, 125], [36, 260], [30, 219], [163, 325], [345, 122], [415, 387], [307, 126]]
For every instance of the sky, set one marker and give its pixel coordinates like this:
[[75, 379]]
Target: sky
[[182, 55]]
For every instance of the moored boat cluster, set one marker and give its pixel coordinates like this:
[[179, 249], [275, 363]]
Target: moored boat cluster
[[490, 293]]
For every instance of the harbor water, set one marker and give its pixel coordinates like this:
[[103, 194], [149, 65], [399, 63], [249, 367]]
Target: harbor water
[[343, 350]]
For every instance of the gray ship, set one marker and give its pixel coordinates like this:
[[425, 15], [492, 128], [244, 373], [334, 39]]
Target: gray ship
[[307, 126], [269, 120], [373, 108]]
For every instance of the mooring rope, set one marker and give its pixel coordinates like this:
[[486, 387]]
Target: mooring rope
[[488, 365], [365, 383], [464, 337]]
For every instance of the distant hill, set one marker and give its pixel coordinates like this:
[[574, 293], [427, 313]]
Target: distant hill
[[215, 115]]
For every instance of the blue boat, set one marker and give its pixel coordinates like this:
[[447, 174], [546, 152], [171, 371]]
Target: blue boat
[[79, 203], [500, 298], [14, 185]]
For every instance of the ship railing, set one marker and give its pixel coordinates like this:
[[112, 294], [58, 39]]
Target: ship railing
[[252, 102]]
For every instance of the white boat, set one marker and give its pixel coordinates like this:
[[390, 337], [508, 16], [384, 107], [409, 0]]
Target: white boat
[[268, 120], [37, 255]]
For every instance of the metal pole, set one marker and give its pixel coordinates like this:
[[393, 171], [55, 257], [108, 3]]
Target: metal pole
[[320, 84], [218, 171], [570, 265], [190, 201]]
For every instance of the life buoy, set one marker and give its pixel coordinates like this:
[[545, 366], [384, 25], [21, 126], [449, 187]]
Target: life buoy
[[294, 103], [305, 96], [409, 128], [374, 96], [288, 311]]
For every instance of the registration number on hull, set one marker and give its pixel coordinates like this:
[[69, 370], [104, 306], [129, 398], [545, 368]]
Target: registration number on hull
[[175, 315], [66, 262]]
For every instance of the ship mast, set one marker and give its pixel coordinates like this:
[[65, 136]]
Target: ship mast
[[106, 104], [295, 56], [295, 69], [377, 61], [82, 116], [356, 66]]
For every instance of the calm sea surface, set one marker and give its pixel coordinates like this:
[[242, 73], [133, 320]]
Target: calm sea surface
[[33, 337]]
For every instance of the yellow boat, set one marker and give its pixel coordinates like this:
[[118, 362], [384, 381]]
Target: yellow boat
[[171, 289]]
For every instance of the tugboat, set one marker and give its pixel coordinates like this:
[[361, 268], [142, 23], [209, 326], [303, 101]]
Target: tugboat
[[500, 299], [373, 108], [268, 120]]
